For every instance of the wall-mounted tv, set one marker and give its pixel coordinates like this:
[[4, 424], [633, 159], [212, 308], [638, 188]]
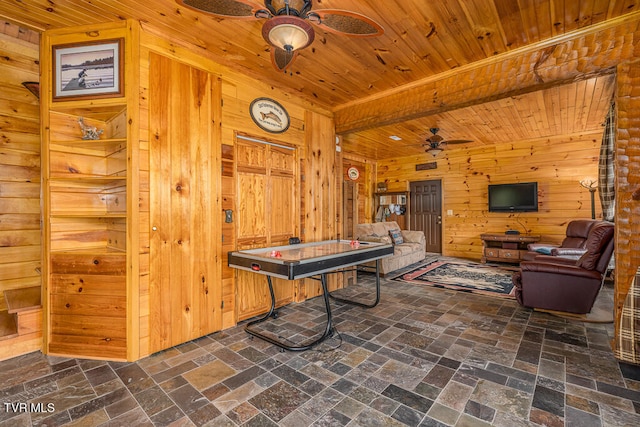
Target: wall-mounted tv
[[516, 197]]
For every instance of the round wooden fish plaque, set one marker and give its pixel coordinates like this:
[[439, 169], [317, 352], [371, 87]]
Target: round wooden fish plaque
[[269, 115], [353, 173]]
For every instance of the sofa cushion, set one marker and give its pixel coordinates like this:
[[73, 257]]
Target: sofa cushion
[[413, 236], [396, 236], [577, 233], [364, 230], [378, 229], [405, 249], [376, 239], [599, 237]]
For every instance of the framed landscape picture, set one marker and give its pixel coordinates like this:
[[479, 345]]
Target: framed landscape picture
[[88, 70]]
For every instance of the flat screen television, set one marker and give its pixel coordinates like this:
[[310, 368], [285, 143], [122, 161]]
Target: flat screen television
[[517, 197]]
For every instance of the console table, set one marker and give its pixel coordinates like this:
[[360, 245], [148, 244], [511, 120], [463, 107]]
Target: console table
[[505, 247]]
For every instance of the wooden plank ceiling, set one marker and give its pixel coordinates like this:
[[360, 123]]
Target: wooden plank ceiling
[[571, 109], [422, 39]]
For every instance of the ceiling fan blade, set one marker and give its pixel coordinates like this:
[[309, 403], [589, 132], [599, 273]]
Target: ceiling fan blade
[[346, 22], [282, 59], [223, 8], [457, 141]]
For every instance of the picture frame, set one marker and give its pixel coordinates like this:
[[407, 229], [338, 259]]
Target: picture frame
[[88, 70]]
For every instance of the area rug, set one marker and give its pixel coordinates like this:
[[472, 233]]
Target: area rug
[[467, 276]]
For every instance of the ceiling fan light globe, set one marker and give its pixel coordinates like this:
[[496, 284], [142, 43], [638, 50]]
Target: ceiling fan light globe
[[288, 33], [288, 37]]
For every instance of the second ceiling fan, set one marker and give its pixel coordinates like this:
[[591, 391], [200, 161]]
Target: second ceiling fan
[[435, 141], [288, 23]]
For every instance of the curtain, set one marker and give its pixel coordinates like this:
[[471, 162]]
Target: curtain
[[606, 177], [627, 348]]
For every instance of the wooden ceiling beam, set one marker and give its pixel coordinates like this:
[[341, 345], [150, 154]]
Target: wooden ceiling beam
[[576, 56]]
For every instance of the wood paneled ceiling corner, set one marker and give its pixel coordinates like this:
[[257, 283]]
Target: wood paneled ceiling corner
[[423, 42]]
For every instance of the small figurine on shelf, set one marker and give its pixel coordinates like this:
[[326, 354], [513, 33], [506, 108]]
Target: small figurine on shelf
[[89, 132]]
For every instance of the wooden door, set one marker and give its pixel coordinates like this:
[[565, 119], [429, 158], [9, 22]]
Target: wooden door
[[185, 214], [267, 216], [349, 209], [349, 221], [426, 212]]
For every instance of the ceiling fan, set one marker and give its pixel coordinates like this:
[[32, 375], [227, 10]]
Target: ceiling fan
[[435, 141], [287, 28]]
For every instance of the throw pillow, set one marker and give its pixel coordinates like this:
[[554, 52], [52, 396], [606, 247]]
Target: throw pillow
[[396, 237]]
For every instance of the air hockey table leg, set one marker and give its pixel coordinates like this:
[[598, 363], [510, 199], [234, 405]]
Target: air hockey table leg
[[328, 331], [361, 304]]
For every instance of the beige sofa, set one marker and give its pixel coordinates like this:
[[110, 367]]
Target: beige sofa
[[411, 251]]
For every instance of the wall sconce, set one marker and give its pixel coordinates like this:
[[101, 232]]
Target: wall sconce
[[592, 186]]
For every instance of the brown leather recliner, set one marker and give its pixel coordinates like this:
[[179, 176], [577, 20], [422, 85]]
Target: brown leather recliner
[[563, 284], [571, 247]]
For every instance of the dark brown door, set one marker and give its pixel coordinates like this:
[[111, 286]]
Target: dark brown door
[[426, 212]]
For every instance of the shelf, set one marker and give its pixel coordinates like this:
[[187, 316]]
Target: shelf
[[88, 209], [87, 178], [70, 183], [92, 198], [95, 215], [93, 250], [386, 198], [391, 193], [96, 147], [65, 128], [99, 109], [88, 234]]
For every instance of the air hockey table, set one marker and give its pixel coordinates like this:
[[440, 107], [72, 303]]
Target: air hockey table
[[309, 260]]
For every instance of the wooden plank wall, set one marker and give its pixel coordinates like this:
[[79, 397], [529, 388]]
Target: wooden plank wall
[[321, 194], [20, 242], [144, 229], [237, 94], [366, 184], [228, 191], [202, 315], [185, 294], [627, 195], [557, 164], [20, 239]]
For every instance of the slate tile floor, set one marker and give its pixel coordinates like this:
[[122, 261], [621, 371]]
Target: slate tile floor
[[422, 357]]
